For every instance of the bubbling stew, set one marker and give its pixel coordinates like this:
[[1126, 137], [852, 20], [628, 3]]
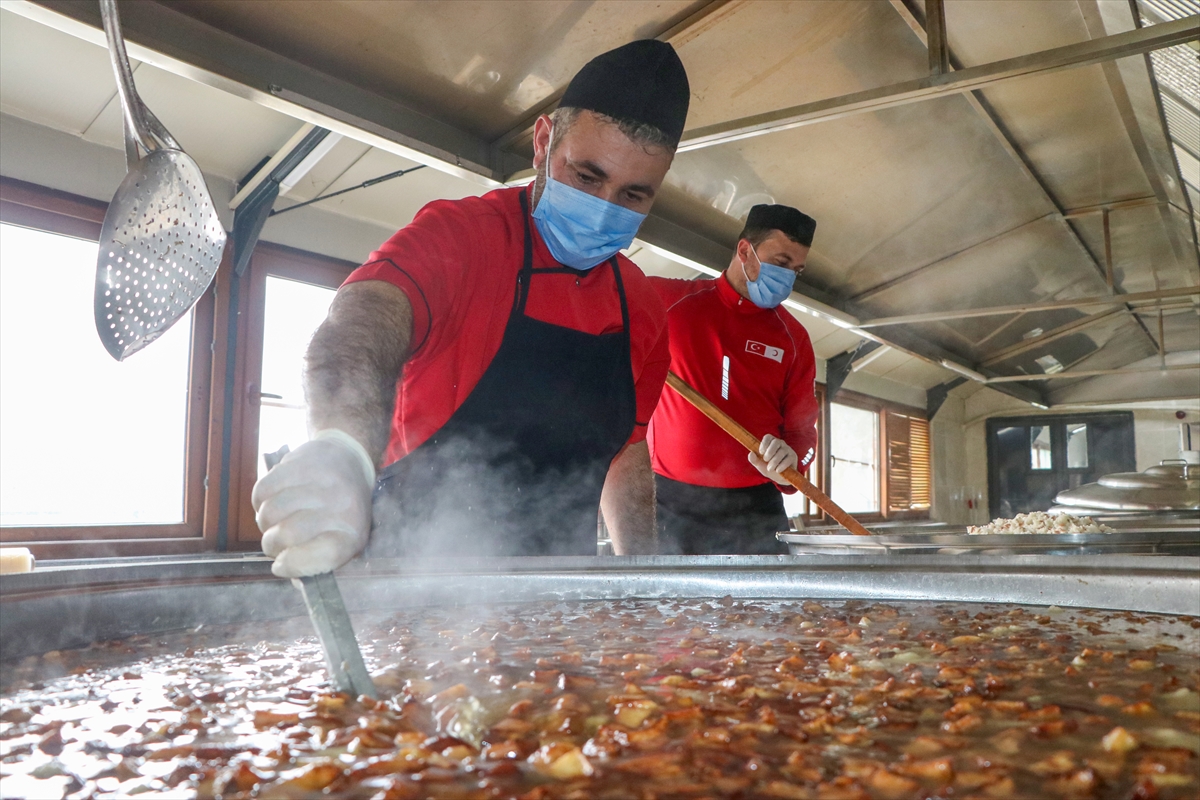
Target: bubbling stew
[[627, 699]]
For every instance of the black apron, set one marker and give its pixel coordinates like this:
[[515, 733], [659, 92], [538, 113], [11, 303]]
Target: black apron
[[519, 467], [705, 520]]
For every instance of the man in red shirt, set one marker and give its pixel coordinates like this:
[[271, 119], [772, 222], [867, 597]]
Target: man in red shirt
[[497, 358], [733, 343]]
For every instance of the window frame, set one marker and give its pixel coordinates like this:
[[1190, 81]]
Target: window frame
[[39, 208], [882, 408], [268, 260], [866, 403]]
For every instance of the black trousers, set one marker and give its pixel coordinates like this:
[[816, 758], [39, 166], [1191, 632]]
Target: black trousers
[[702, 520]]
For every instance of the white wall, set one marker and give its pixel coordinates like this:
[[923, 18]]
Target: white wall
[[951, 483], [978, 406], [1156, 435]]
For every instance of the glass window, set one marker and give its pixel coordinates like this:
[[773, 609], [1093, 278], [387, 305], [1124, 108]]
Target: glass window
[[1077, 446], [87, 440], [293, 312], [1040, 456], [854, 458], [796, 504]]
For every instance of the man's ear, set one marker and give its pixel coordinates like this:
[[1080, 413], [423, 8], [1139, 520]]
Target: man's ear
[[541, 140]]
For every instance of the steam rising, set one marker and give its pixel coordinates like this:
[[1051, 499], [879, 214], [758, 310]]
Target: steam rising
[[478, 497]]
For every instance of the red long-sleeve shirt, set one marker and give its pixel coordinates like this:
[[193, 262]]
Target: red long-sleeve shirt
[[766, 384]]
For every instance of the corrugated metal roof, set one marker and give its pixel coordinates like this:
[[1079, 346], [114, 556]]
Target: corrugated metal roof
[[1170, 9], [1177, 72]]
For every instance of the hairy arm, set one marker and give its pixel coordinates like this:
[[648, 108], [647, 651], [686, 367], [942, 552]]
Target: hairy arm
[[627, 502], [354, 361]]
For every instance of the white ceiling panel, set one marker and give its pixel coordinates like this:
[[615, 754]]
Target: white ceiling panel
[[51, 78], [225, 134], [331, 167], [915, 372], [838, 340], [817, 327], [395, 202], [886, 362]]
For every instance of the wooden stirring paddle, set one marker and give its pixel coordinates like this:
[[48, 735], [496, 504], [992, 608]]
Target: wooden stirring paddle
[[751, 443]]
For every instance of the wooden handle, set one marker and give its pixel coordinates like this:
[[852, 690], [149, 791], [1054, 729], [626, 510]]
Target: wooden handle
[[751, 443]]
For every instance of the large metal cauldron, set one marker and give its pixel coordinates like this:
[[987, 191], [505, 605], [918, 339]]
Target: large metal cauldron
[[1162, 489], [70, 604]]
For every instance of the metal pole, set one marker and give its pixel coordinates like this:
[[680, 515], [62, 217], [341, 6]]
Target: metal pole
[[935, 27], [1087, 211], [1082, 302], [1162, 341], [1093, 51], [1088, 373], [1108, 264]]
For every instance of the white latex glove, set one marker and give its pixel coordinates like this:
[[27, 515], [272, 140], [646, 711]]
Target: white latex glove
[[314, 507], [773, 457]]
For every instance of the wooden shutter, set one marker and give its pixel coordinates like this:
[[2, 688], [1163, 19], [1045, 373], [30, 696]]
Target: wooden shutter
[[908, 473], [920, 465], [898, 461]]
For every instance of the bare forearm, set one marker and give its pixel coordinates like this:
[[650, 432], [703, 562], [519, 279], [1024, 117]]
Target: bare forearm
[[627, 502], [354, 361]]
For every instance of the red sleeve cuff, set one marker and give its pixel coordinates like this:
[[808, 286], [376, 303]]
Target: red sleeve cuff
[[388, 271], [639, 433]]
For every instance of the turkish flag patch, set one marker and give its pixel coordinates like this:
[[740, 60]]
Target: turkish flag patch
[[765, 350]]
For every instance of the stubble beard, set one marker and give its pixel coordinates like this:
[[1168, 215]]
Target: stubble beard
[[539, 185]]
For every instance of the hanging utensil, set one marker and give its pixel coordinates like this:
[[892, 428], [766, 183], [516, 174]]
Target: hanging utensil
[[751, 443], [161, 240]]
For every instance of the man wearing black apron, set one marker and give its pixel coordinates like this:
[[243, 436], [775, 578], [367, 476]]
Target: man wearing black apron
[[497, 356]]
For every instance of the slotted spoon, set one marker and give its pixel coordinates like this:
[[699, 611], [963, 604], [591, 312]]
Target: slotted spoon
[[161, 240]]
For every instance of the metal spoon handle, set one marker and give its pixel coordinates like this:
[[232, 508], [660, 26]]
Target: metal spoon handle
[[329, 617], [141, 125]]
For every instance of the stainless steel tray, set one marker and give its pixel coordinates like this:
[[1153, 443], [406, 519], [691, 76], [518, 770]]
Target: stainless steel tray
[[1122, 521], [1147, 541]]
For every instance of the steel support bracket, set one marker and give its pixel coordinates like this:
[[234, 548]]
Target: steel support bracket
[[248, 221], [935, 396], [251, 214], [837, 369]]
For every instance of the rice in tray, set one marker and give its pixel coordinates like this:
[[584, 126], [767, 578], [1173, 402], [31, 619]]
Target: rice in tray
[[1040, 522]]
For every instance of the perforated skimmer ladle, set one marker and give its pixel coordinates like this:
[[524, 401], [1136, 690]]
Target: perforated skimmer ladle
[[161, 240]]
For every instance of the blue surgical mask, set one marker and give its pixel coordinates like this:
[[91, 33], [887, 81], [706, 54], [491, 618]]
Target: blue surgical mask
[[581, 230], [773, 284]]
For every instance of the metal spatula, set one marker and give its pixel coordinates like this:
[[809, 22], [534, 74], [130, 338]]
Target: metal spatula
[[161, 240]]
